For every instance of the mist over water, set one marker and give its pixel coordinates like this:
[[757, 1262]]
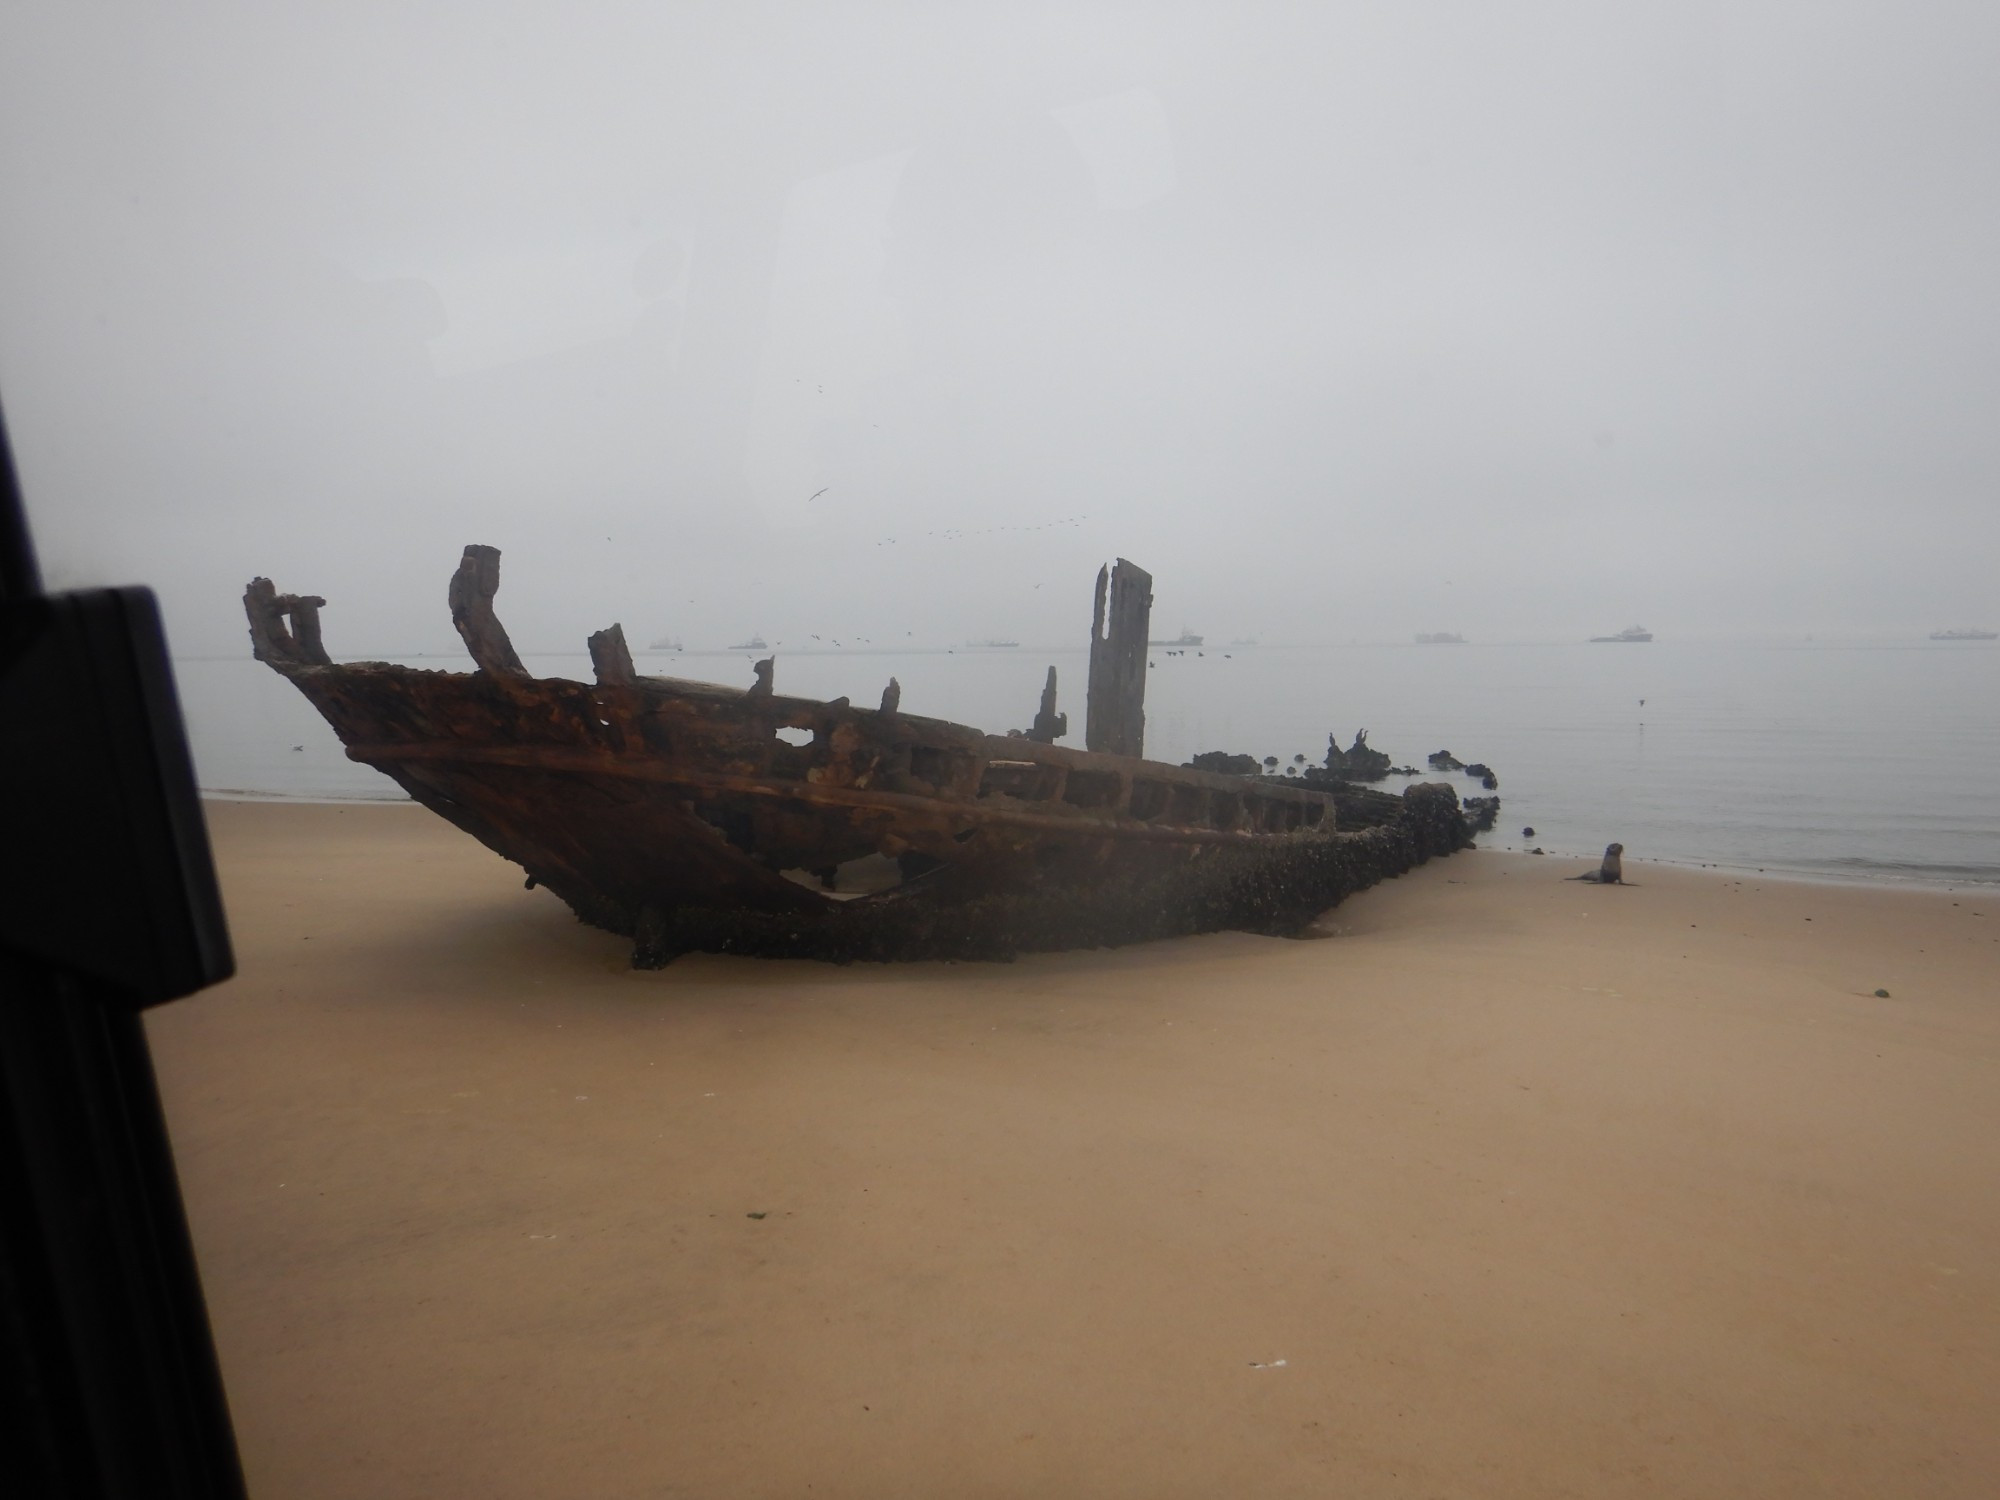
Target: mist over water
[[888, 324], [1867, 762], [1346, 320]]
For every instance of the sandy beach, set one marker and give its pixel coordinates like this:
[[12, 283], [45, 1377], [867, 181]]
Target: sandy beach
[[1503, 1186]]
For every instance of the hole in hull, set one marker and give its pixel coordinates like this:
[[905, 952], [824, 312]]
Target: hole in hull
[[1021, 779], [936, 766], [870, 875], [1092, 789]]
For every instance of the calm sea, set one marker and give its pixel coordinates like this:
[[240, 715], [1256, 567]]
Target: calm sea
[[1868, 762]]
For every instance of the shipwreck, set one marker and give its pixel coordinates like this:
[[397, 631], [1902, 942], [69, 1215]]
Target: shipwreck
[[692, 816]]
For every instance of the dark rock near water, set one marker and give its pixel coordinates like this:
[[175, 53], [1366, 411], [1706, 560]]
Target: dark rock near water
[[1358, 807], [1358, 762], [1444, 760], [1224, 763]]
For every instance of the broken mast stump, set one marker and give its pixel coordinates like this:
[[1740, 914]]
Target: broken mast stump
[[1049, 726], [472, 589], [612, 658], [304, 611], [274, 640], [1115, 701]]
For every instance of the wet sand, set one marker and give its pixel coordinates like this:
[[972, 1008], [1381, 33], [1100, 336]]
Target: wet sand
[[1505, 1187]]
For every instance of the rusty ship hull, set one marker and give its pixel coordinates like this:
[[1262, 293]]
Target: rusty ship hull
[[697, 817]]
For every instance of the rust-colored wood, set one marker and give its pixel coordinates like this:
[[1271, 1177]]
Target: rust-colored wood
[[949, 816], [677, 810]]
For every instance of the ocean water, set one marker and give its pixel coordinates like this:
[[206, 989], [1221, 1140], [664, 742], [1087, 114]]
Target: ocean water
[[1863, 762]]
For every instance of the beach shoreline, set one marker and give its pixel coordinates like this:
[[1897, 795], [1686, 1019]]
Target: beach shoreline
[[1506, 1185]]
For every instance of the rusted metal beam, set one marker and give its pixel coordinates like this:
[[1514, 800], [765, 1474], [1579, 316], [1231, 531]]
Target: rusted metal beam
[[1115, 702], [471, 595]]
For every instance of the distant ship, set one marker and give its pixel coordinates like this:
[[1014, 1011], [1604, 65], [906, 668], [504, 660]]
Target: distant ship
[[755, 643], [1188, 638], [1629, 633], [994, 645], [1441, 638], [1967, 634], [665, 643], [1246, 641]]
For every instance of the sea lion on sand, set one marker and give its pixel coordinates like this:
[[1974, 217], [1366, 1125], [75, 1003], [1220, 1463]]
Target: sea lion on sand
[[1611, 872]]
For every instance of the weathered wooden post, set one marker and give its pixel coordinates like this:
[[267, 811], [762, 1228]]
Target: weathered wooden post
[[304, 611], [1115, 702], [612, 658], [1049, 726], [270, 638], [472, 589]]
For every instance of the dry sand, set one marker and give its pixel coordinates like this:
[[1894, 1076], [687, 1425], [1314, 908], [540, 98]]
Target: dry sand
[[1507, 1187]]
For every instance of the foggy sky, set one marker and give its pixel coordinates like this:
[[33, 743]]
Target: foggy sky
[[1527, 321]]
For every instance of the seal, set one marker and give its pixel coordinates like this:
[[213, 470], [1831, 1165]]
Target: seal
[[1611, 872]]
